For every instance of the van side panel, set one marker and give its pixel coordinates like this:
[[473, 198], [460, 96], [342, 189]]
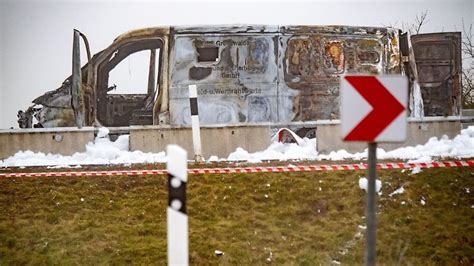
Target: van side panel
[[314, 60], [285, 76], [235, 74]]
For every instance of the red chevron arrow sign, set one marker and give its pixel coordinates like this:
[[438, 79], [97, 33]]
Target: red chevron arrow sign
[[373, 108]]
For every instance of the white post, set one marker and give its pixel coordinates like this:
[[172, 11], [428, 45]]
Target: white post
[[195, 123], [177, 218]]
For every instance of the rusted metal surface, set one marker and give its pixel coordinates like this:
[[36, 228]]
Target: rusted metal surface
[[103, 62], [107, 104], [239, 85], [284, 76], [225, 29], [152, 72], [55, 108], [438, 61], [77, 93], [316, 57], [409, 69], [243, 73]]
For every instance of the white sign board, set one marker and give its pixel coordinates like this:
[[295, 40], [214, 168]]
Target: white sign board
[[373, 108]]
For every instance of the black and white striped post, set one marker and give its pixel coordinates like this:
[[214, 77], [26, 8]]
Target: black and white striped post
[[195, 123], [177, 217]]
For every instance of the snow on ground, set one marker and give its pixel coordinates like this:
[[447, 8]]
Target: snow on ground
[[462, 146], [103, 151], [363, 184], [399, 190], [278, 151], [416, 170]]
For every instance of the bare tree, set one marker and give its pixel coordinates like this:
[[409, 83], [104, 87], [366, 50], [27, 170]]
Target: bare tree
[[415, 27], [468, 66]]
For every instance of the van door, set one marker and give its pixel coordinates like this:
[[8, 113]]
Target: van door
[[438, 61], [127, 83]]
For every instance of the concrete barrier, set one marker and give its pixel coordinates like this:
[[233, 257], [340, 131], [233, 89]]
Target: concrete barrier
[[219, 140], [65, 141], [419, 132], [468, 113], [216, 140]]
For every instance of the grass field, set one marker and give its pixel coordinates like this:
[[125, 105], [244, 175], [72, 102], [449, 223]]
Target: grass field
[[306, 218]]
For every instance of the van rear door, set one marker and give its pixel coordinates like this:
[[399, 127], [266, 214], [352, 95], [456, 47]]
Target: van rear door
[[438, 61]]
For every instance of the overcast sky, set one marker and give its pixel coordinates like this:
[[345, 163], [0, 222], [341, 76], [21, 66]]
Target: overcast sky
[[36, 36]]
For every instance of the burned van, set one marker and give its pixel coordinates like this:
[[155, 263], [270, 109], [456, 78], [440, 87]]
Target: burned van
[[243, 74]]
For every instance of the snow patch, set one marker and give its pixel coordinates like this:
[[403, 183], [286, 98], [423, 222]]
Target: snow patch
[[462, 146], [213, 158], [363, 184], [101, 151], [103, 132], [416, 170], [278, 151], [397, 191], [423, 201]]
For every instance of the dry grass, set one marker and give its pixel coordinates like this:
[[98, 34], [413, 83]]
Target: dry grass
[[287, 218]]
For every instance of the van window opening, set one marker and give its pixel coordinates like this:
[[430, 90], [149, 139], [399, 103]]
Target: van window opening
[[208, 54], [130, 76]]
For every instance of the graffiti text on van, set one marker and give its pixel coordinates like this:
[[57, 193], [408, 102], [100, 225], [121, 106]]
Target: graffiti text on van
[[229, 91]]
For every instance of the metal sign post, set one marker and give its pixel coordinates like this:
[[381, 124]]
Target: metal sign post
[[371, 206], [373, 109]]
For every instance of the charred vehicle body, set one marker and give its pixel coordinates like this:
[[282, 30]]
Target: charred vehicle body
[[249, 74]]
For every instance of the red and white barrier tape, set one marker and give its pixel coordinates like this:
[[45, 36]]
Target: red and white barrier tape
[[256, 169]]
